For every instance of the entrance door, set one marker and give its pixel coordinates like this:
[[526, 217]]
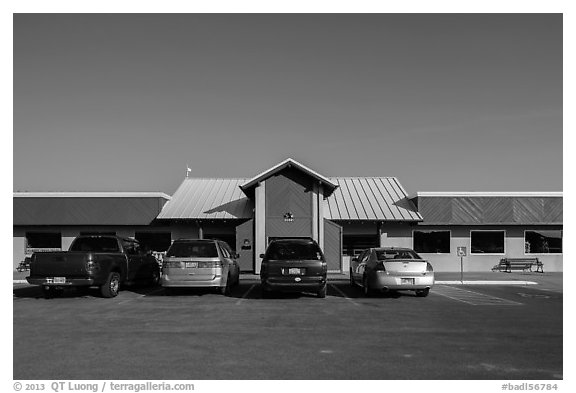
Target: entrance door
[[333, 246], [245, 245]]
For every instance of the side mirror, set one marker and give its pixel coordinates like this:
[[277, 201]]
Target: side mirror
[[236, 256], [262, 256]]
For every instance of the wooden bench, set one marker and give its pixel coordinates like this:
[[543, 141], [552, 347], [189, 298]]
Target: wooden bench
[[509, 264]]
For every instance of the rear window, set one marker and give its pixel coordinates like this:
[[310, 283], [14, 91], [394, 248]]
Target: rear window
[[293, 250], [95, 244], [192, 249], [382, 255]]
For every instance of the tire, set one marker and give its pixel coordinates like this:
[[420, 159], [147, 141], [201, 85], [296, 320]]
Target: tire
[[422, 292], [155, 279], [112, 285], [322, 292], [265, 292], [48, 292], [352, 282], [226, 290], [366, 288]]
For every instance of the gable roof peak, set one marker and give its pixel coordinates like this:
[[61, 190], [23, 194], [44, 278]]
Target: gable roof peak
[[329, 185]]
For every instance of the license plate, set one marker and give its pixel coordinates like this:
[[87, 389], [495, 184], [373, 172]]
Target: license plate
[[294, 271], [56, 280], [407, 281], [192, 264]]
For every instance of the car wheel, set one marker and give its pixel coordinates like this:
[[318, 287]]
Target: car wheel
[[155, 279], [226, 289], [322, 292], [422, 292], [366, 288], [265, 291], [352, 282], [112, 285], [48, 292]]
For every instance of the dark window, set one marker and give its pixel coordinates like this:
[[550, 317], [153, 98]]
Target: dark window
[[487, 242], [396, 254], [229, 239], [353, 245], [198, 249], [43, 240], [97, 233], [154, 241], [95, 244], [543, 242], [432, 241], [290, 250]]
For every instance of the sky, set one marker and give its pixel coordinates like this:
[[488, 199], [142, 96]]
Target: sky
[[443, 102]]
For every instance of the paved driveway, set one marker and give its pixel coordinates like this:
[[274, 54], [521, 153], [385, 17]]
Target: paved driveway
[[458, 332]]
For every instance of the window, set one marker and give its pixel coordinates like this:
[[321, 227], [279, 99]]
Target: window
[[43, 241], [355, 244], [432, 241], [196, 249], [97, 233], [95, 244], [487, 242], [154, 241], [543, 242]]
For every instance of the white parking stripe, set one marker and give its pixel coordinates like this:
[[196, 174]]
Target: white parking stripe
[[471, 297], [246, 294], [344, 295], [141, 296]]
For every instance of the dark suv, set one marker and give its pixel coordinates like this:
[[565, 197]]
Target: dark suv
[[294, 265]]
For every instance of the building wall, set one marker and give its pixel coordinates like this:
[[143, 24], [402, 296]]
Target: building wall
[[513, 248], [69, 233]]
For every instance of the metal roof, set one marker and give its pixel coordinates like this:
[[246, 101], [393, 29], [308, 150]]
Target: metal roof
[[329, 186], [491, 208], [109, 194], [370, 198], [198, 198], [86, 208]]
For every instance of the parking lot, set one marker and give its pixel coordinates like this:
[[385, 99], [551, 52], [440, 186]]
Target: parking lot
[[457, 332]]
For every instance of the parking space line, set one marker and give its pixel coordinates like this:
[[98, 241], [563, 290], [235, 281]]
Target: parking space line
[[141, 296], [245, 294], [344, 295], [471, 297]]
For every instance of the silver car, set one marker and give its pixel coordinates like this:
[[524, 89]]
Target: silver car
[[200, 263], [391, 269]]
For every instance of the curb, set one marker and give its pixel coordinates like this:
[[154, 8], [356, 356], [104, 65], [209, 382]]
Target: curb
[[486, 282]]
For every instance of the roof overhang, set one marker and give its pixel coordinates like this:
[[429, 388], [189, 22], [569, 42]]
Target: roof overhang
[[250, 185]]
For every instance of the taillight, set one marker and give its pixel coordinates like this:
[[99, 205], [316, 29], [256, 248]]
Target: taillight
[[324, 268], [429, 267], [173, 264], [380, 267], [210, 265]]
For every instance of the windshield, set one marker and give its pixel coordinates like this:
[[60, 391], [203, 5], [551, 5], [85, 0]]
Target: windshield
[[382, 255], [192, 249], [95, 244], [293, 250]]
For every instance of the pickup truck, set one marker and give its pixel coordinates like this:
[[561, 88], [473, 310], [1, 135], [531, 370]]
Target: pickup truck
[[106, 262]]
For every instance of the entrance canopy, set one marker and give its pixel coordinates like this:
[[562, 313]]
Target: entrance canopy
[[328, 185]]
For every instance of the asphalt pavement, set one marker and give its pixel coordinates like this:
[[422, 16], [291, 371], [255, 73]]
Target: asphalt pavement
[[459, 332]]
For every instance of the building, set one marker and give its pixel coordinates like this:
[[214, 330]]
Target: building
[[344, 214]]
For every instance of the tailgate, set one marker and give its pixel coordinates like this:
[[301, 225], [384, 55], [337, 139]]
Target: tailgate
[[405, 266], [298, 268], [59, 264]]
